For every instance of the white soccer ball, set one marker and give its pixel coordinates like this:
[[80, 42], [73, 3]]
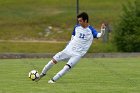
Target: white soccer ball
[[33, 74]]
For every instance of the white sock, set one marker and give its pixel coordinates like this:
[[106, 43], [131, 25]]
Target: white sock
[[47, 67], [61, 73]]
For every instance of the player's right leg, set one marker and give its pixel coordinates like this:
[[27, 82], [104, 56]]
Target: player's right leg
[[70, 64], [48, 66]]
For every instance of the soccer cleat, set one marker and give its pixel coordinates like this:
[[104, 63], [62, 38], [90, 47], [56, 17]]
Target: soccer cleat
[[41, 75], [51, 81]]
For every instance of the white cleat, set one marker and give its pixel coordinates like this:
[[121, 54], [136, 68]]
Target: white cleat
[[51, 82]]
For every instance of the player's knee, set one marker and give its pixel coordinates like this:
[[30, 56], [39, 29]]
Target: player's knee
[[68, 66], [54, 61]]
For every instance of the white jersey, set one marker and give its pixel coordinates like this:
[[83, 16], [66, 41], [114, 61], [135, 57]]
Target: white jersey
[[81, 40]]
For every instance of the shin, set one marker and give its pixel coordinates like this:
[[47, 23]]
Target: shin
[[62, 72]]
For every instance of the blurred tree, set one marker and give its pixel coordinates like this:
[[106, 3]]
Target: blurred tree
[[127, 31]]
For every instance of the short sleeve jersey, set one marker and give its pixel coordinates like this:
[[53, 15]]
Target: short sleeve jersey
[[82, 40]]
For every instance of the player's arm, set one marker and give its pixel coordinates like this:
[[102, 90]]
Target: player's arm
[[102, 30]]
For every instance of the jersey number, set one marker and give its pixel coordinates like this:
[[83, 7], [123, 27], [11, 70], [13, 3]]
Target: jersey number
[[82, 36]]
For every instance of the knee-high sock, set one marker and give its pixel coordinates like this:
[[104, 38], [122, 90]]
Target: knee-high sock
[[61, 73], [47, 67]]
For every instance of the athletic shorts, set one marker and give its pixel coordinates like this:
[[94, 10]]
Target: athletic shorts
[[62, 56]]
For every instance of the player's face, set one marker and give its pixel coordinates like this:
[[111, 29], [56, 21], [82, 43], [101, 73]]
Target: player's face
[[82, 22]]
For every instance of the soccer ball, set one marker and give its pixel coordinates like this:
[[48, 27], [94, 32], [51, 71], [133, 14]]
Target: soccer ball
[[33, 75]]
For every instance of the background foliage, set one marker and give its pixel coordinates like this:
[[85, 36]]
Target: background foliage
[[29, 22], [127, 34]]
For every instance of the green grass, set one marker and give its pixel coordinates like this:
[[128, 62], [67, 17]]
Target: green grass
[[25, 19], [28, 20], [49, 47], [31, 47], [90, 75]]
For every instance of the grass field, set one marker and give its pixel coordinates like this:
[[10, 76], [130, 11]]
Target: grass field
[[98, 75], [28, 19], [50, 47]]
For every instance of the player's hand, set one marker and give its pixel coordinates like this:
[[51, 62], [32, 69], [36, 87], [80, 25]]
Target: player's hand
[[103, 26]]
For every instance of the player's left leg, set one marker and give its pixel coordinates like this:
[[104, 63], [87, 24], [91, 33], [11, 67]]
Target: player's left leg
[[70, 64]]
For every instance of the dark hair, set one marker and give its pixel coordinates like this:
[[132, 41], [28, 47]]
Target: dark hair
[[83, 15]]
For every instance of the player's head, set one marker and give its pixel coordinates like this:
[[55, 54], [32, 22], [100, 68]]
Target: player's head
[[83, 19], [83, 16]]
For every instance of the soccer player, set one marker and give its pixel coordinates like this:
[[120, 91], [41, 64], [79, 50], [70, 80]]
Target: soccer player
[[79, 44]]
